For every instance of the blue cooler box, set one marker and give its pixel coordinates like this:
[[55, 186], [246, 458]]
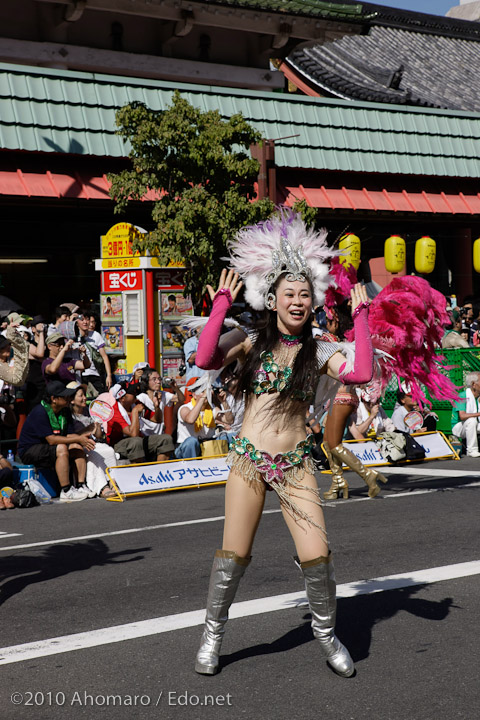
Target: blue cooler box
[[23, 472], [48, 479]]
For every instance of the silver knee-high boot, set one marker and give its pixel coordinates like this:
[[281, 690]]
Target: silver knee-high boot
[[320, 585], [227, 571]]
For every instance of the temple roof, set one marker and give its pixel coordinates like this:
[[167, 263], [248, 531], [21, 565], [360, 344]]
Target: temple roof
[[404, 58]]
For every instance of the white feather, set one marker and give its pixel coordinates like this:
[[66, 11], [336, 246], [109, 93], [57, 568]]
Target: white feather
[[251, 254]]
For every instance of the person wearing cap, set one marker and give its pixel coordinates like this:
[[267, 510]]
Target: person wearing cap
[[123, 429], [190, 352], [58, 365], [13, 371], [48, 440], [137, 372], [196, 422]]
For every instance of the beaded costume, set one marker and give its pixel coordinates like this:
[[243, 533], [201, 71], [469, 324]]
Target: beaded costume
[[284, 471]]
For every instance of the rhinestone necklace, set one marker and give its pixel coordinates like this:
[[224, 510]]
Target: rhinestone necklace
[[289, 340]]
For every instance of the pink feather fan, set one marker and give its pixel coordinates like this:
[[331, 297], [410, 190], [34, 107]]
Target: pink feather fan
[[344, 278], [407, 320]]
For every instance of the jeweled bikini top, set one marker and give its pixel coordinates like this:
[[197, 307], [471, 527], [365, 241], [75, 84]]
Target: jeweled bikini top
[[281, 375]]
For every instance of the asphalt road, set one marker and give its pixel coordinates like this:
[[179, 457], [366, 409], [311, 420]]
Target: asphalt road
[[82, 569]]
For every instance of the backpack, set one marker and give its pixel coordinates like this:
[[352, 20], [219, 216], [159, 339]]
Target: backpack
[[97, 359], [393, 446], [413, 448]]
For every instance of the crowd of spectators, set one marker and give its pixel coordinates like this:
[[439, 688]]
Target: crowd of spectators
[[51, 373], [49, 376]]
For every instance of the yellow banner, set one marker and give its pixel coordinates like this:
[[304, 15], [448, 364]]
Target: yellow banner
[[115, 263], [117, 243]]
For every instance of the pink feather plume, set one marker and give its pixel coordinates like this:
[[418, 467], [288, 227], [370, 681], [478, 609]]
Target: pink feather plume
[[407, 319]]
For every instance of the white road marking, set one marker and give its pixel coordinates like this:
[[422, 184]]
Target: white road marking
[[408, 493], [123, 532], [5, 535], [406, 470], [155, 626]]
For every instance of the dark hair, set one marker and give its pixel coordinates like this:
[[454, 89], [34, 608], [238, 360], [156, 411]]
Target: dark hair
[[305, 368], [171, 297], [345, 322], [62, 310], [401, 394], [143, 382], [131, 389], [96, 318]]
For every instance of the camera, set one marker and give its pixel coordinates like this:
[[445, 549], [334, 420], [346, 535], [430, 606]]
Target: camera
[[167, 382]]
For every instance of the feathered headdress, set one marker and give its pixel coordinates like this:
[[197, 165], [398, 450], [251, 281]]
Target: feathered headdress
[[281, 245]]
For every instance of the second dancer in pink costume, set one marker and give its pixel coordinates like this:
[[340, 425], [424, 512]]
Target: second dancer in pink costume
[[285, 273]]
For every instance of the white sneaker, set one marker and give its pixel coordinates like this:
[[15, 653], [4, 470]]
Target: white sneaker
[[72, 495], [473, 453], [86, 491]]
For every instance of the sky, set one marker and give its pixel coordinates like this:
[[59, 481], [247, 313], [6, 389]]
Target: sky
[[433, 7]]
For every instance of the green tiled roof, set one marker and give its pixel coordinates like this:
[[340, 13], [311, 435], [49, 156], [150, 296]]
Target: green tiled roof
[[305, 8], [61, 111]]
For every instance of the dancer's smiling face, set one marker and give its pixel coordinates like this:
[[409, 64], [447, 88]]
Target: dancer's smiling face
[[293, 305]]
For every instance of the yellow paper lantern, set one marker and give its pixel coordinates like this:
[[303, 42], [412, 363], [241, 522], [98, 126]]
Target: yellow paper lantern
[[394, 254], [351, 245], [425, 251], [476, 255]]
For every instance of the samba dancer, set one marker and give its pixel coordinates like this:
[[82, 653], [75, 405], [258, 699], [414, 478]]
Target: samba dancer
[[283, 266]]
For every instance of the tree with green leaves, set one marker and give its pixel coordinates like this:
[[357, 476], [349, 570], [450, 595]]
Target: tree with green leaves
[[203, 177]]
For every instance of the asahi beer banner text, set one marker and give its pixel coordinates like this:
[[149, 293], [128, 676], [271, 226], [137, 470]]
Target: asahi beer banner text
[[434, 443], [169, 475]]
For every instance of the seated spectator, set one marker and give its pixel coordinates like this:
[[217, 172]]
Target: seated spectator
[[123, 430], [196, 422], [48, 440], [190, 351], [403, 406], [15, 370], [61, 314], [154, 401], [453, 337], [370, 419], [99, 360], [466, 414], [59, 365], [102, 456]]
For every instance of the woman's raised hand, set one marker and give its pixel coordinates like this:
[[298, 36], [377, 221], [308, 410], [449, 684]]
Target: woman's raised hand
[[228, 281], [359, 296]]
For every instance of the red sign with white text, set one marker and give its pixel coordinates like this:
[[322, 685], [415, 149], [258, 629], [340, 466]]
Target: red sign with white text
[[122, 280]]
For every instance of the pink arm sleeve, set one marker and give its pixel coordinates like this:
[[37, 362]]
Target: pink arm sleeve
[[363, 366], [209, 356]]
